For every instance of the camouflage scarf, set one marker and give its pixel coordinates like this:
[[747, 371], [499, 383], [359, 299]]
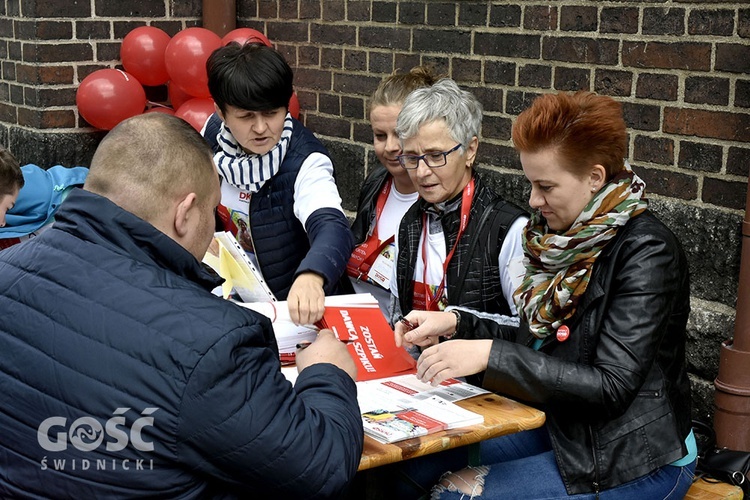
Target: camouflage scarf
[[558, 266]]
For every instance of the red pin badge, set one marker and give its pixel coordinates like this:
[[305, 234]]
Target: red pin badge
[[563, 333]]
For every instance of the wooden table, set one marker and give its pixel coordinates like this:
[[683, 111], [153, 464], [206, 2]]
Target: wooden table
[[501, 416]]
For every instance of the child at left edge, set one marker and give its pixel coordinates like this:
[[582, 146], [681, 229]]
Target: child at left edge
[[278, 193], [11, 182]]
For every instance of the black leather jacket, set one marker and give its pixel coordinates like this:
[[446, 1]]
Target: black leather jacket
[[616, 392]]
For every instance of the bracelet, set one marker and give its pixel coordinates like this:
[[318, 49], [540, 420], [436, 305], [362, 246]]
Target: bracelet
[[458, 323]]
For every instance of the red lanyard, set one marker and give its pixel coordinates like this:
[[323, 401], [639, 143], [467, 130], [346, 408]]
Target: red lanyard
[[365, 254], [466, 200]]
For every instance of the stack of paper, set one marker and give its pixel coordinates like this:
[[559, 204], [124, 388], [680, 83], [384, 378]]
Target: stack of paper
[[229, 260]]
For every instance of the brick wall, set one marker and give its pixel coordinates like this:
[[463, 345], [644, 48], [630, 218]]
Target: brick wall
[[680, 68]]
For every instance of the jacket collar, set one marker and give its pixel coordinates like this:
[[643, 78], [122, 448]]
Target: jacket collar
[[98, 220]]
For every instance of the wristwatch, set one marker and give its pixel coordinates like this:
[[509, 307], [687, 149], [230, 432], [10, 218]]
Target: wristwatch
[[458, 323]]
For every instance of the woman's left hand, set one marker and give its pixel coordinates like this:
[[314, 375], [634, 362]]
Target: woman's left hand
[[454, 358]]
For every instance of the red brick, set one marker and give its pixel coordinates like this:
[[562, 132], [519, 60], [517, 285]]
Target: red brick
[[355, 84], [572, 79], [404, 62], [441, 65], [335, 10], [619, 20], [730, 194], [446, 41], [704, 123], [388, 38], [57, 52], [381, 63], [309, 55], [700, 156], [743, 27], [613, 83], [496, 127], [329, 104], [108, 8], [287, 31], [41, 119], [581, 50], [505, 16], [742, 93], [498, 154], [383, 12], [335, 127], [663, 21], [466, 70], [578, 18], [353, 107], [355, 60], [734, 58], [313, 79], [268, 9], [540, 17], [57, 8], [411, 13], [43, 30], [654, 150], [491, 98], [657, 86], [681, 55], [48, 75], [669, 183], [534, 75], [711, 22], [500, 72], [506, 45], [441, 14], [706, 90], [641, 116], [362, 132], [335, 34], [331, 58], [8, 113], [516, 102], [472, 13], [356, 10], [288, 9], [738, 161]]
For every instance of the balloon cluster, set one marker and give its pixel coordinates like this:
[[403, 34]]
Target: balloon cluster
[[151, 57]]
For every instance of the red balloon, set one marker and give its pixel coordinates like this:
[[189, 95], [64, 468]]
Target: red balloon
[[245, 35], [161, 109], [142, 55], [177, 96], [108, 96], [196, 111], [186, 57], [294, 106]]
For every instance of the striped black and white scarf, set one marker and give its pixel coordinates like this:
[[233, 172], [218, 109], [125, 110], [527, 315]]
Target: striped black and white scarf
[[249, 171]]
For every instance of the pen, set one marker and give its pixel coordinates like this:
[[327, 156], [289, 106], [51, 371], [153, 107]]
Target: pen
[[408, 324], [306, 343]]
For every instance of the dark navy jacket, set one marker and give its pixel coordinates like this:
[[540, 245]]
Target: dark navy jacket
[[143, 384], [283, 247]]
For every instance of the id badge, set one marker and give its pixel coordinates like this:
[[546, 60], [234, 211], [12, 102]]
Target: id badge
[[381, 269]]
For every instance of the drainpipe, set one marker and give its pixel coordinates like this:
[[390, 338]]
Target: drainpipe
[[732, 397], [220, 16]]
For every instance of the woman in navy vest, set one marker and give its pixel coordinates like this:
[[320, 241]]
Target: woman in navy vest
[[279, 196]]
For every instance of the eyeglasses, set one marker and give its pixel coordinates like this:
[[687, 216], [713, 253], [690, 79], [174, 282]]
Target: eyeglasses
[[432, 160]]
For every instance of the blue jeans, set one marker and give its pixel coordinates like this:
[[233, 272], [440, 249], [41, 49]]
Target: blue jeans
[[523, 466]]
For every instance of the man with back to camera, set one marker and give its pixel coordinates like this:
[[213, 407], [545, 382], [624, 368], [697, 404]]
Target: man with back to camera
[[122, 375]]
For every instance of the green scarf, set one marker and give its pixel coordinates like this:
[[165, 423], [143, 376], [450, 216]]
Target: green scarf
[[558, 266]]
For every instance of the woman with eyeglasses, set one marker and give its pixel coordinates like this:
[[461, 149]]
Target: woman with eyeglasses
[[387, 191], [603, 305], [455, 245]]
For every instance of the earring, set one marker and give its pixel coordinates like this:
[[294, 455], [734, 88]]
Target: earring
[[593, 190]]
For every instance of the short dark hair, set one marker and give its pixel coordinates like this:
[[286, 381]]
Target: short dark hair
[[252, 76], [11, 175]]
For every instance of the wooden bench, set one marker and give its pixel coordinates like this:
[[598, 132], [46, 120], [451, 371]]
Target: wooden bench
[[705, 490]]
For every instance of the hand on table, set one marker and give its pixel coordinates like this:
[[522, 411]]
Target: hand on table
[[306, 299], [454, 358], [326, 349], [426, 327]]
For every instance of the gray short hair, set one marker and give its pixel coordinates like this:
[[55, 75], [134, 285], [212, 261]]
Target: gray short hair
[[460, 110]]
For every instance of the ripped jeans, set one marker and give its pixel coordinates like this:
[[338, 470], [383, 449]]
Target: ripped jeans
[[522, 466]]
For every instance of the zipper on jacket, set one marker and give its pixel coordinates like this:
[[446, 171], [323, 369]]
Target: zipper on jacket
[[596, 462]]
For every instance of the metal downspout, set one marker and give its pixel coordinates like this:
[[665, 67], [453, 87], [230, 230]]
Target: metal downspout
[[220, 16], [732, 398]]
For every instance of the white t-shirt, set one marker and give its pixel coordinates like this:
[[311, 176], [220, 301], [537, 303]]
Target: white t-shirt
[[511, 252]]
